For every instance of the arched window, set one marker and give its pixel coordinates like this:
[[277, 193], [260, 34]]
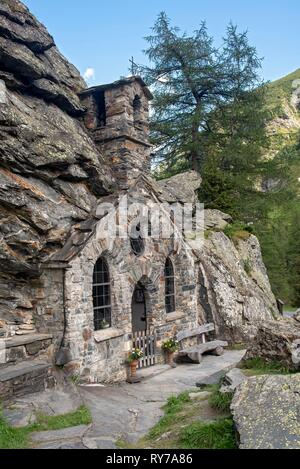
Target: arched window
[[101, 295], [169, 286]]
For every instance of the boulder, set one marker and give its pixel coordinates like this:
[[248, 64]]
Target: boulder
[[235, 290], [181, 187], [216, 220], [232, 380], [277, 341], [266, 412]]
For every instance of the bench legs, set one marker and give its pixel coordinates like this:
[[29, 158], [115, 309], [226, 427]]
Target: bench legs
[[195, 357], [218, 351]]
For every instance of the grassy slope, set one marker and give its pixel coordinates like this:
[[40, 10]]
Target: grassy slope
[[284, 129], [18, 438], [204, 422]]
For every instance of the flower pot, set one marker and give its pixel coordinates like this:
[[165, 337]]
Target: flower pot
[[133, 367], [170, 358], [107, 326]]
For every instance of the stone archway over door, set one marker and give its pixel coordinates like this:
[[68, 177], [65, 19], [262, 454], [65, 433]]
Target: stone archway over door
[[138, 309]]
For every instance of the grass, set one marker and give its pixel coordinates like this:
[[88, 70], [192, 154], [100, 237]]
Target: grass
[[259, 366], [220, 401], [173, 407], [13, 438], [240, 346], [17, 438], [290, 309], [190, 424], [213, 435]]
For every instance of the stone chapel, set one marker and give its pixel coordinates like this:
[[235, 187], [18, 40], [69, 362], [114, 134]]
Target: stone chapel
[[131, 285], [75, 293]]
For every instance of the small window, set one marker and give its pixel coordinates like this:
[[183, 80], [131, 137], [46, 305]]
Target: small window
[[101, 108], [169, 286], [136, 241], [137, 107], [101, 295]]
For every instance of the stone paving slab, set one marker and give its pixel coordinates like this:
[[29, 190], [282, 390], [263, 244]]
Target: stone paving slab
[[59, 435], [128, 411]]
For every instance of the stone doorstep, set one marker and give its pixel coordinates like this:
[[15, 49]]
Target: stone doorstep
[[16, 341], [21, 369]]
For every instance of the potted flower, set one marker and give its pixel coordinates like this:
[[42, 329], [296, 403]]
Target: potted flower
[[133, 358], [169, 347], [104, 324]]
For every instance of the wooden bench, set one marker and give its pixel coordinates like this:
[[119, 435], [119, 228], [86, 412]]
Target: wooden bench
[[216, 347]]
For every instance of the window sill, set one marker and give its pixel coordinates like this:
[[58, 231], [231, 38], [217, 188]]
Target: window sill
[[106, 334], [174, 316]]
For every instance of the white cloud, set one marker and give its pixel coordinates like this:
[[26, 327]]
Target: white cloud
[[89, 75]]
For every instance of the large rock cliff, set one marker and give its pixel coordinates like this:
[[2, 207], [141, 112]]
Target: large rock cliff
[[51, 173]]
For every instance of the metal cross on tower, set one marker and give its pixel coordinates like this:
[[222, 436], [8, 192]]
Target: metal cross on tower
[[133, 66]]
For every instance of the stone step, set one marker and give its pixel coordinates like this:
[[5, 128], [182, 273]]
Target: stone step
[[24, 347], [25, 378], [18, 340]]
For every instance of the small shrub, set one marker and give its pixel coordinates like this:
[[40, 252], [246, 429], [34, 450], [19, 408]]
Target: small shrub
[[247, 266], [238, 230], [214, 435]]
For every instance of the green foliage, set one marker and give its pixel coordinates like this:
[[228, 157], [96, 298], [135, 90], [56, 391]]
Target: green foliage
[[220, 401], [81, 416], [193, 83], [17, 438], [247, 266], [170, 345], [238, 230], [213, 435], [212, 113], [172, 408], [258, 365], [13, 438]]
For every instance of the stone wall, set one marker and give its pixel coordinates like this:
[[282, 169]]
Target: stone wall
[[101, 355], [124, 139]]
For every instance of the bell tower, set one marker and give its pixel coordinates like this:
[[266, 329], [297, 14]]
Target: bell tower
[[117, 116]]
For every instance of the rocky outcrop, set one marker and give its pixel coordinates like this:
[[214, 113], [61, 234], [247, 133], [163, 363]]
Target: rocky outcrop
[[278, 341], [237, 286], [234, 288], [232, 380], [181, 187], [51, 173], [216, 220], [266, 412]]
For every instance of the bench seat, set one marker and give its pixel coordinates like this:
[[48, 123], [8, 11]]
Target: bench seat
[[195, 353]]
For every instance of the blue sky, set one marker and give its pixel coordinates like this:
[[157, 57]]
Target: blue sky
[[102, 35]]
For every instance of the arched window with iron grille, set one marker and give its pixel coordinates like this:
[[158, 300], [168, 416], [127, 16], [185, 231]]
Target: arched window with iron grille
[[169, 286], [101, 295]]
